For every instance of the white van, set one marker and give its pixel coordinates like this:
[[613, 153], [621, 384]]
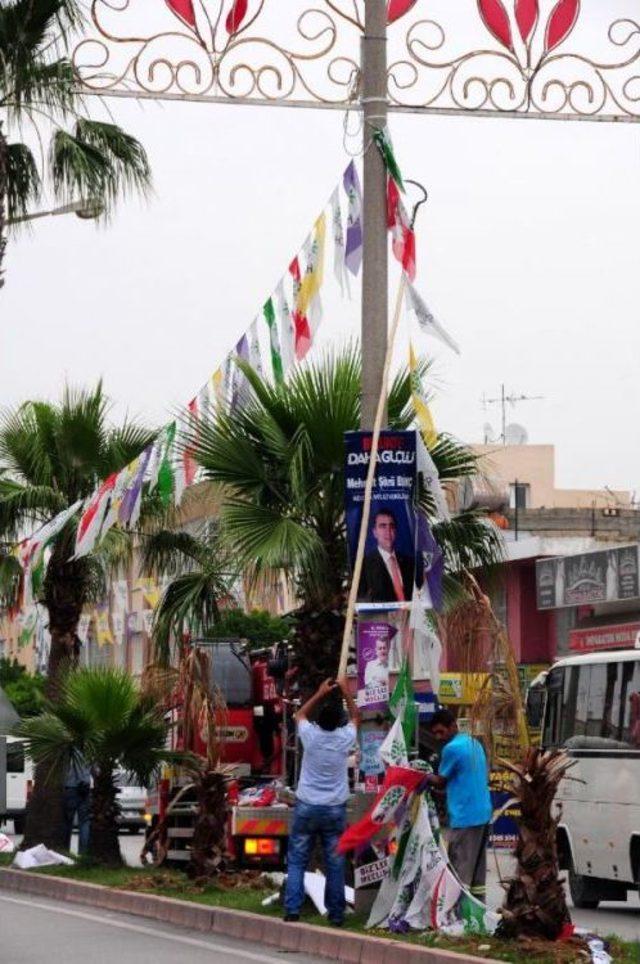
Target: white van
[[590, 706], [16, 780]]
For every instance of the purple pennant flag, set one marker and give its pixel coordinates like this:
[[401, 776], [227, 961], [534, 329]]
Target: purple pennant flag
[[429, 561], [353, 247], [130, 505]]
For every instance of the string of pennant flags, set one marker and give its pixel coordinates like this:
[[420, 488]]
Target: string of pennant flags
[[290, 319]]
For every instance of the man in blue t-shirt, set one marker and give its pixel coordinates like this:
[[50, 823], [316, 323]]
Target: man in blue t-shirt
[[321, 796], [463, 772]]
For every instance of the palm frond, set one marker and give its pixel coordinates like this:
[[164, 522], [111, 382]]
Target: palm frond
[[23, 180], [98, 161]]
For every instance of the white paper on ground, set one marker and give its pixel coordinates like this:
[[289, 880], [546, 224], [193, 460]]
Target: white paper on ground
[[39, 856], [6, 844]]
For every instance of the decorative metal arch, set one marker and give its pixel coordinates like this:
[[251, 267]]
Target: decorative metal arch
[[530, 58]]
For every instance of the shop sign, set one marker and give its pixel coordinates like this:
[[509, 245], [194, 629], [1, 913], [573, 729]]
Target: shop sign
[[624, 636]]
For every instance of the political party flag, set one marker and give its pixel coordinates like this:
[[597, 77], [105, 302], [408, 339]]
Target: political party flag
[[427, 469], [274, 341], [399, 784], [393, 750], [163, 475], [308, 302], [241, 389], [112, 512], [302, 331], [353, 247], [402, 702], [255, 358], [339, 267], [103, 626], [129, 511], [90, 524], [427, 648], [205, 410], [382, 138], [428, 324], [287, 329], [420, 404], [218, 393], [429, 561], [403, 239], [30, 552]]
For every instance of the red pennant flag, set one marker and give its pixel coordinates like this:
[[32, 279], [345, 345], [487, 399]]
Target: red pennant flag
[[402, 234], [399, 784]]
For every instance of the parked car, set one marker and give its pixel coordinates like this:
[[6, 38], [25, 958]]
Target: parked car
[[132, 801], [16, 781]]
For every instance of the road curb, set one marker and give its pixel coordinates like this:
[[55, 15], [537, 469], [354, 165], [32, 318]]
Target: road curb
[[301, 938]]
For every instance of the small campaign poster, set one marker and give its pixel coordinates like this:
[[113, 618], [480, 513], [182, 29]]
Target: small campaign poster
[[388, 571], [373, 645], [371, 740]]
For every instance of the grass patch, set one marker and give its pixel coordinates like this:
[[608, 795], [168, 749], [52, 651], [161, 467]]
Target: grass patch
[[245, 891]]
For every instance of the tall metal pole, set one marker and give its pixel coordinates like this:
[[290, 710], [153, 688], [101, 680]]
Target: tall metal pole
[[375, 259]]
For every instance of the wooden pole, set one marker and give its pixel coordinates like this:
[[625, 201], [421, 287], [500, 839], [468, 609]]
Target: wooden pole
[[366, 508]]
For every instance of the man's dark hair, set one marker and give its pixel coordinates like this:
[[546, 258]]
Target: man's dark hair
[[387, 512], [331, 714], [441, 717]]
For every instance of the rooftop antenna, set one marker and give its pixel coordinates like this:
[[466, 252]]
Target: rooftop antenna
[[503, 400]]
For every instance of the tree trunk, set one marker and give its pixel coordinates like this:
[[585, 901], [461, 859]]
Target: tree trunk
[[317, 643], [64, 594], [3, 200], [208, 849], [104, 845], [535, 904]]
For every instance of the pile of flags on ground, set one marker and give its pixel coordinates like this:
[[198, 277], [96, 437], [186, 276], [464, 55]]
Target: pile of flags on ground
[[420, 889]]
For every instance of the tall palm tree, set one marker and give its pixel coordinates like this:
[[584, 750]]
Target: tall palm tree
[[280, 462], [100, 718], [39, 92], [51, 455]]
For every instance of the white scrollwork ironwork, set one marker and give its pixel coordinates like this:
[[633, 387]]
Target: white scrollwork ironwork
[[527, 57]]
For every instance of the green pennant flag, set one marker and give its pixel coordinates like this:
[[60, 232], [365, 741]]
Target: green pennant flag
[[382, 137], [274, 341], [166, 474], [403, 703]]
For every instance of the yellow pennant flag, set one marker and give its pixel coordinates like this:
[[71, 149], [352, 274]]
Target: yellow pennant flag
[[424, 417], [312, 280]]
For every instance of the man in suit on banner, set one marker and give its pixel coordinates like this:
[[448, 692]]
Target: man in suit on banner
[[387, 576]]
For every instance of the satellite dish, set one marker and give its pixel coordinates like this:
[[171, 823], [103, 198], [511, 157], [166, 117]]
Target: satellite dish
[[515, 434], [487, 433]]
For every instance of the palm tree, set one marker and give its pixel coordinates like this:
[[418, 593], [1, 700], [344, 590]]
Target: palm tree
[[87, 159], [100, 717], [52, 455], [280, 463]]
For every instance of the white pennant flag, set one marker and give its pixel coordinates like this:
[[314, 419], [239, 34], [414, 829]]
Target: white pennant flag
[[255, 358], [287, 330], [427, 648], [427, 467], [339, 266], [428, 324]]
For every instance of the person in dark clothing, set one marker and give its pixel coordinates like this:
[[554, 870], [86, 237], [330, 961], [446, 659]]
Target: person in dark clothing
[[77, 800], [387, 576]]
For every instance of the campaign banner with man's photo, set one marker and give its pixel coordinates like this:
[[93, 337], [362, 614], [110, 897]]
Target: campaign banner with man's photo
[[373, 650], [388, 571]]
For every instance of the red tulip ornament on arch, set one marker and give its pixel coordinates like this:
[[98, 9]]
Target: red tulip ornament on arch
[[236, 16], [183, 9], [398, 8], [527, 12], [561, 22], [496, 20]]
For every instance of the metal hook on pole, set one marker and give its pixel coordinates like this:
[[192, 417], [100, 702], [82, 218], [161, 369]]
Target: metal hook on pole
[[423, 200]]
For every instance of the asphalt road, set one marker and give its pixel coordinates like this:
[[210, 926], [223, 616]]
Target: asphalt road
[[611, 918], [34, 931]]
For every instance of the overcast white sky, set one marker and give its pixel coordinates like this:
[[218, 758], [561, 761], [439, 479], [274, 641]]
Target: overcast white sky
[[527, 252]]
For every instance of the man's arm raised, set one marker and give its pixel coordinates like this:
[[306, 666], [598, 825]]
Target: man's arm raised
[[352, 709]]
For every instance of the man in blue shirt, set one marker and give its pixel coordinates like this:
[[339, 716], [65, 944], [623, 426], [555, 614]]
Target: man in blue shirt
[[463, 772], [321, 797]]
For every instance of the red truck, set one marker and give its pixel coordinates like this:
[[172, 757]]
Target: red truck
[[252, 731]]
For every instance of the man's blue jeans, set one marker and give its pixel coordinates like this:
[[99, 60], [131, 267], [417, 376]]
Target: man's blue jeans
[[309, 822], [78, 800]]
